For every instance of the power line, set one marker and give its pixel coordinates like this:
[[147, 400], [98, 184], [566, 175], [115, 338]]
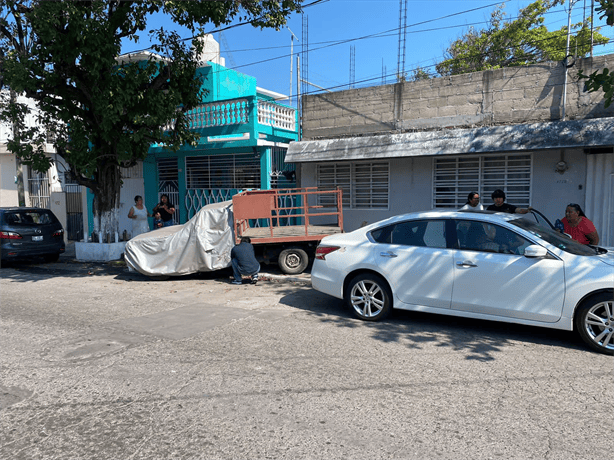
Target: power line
[[382, 34]]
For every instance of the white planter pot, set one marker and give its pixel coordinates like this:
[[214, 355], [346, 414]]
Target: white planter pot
[[99, 252]]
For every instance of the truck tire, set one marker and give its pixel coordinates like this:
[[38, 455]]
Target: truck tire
[[293, 261]]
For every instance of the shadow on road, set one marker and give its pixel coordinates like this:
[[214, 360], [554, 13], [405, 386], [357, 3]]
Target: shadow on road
[[479, 339]]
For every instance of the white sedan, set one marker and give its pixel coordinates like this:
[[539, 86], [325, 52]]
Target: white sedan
[[492, 266]]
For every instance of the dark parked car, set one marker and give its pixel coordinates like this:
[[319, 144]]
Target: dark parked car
[[30, 232]]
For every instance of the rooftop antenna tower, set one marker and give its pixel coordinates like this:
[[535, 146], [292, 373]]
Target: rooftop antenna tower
[[224, 42], [352, 66], [383, 72], [402, 39], [305, 55]]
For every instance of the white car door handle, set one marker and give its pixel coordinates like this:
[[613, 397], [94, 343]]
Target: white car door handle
[[466, 263], [388, 254]]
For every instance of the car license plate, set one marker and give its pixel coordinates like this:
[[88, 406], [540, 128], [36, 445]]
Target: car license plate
[[37, 238]]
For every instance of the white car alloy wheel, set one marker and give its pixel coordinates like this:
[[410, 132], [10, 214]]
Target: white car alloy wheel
[[595, 323], [369, 297]]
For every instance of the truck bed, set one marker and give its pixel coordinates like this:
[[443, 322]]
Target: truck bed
[[261, 214], [290, 233]]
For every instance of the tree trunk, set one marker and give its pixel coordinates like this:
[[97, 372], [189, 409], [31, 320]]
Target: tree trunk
[[106, 201]]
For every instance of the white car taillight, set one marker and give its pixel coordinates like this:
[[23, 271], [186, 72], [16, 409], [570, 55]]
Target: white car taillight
[[323, 251]]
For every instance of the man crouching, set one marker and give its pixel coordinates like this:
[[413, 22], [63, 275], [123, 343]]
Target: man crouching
[[244, 261]]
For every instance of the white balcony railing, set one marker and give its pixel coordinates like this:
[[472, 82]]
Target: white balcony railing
[[236, 112], [278, 116]]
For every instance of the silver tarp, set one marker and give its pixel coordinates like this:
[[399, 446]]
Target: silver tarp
[[201, 244]]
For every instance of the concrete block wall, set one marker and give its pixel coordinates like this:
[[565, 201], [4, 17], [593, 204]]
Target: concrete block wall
[[511, 95]]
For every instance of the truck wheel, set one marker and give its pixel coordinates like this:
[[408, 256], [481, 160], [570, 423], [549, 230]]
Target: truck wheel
[[293, 261]]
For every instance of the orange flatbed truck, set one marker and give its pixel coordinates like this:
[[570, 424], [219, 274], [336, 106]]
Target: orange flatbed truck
[[287, 224]]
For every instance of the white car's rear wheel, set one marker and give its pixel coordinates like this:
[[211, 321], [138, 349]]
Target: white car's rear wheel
[[369, 297], [594, 321]]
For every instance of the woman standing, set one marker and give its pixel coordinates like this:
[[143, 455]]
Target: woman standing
[[139, 214], [166, 209], [473, 202], [578, 226]]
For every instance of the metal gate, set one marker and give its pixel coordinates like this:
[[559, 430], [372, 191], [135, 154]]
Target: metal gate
[[74, 212], [168, 183], [38, 189]]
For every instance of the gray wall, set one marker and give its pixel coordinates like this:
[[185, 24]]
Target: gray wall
[[411, 186], [511, 95]]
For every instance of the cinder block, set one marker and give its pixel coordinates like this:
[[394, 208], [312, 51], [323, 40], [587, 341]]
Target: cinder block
[[447, 111]]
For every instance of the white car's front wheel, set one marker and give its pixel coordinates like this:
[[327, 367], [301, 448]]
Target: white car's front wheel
[[594, 321], [369, 297]]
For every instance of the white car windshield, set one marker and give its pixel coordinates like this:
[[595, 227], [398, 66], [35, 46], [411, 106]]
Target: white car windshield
[[557, 239]]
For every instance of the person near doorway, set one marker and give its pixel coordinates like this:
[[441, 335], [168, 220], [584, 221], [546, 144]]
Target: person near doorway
[[244, 261], [578, 226], [139, 214], [158, 222], [498, 196], [166, 209], [473, 202]]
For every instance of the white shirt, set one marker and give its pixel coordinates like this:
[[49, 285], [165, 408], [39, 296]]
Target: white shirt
[[479, 207]]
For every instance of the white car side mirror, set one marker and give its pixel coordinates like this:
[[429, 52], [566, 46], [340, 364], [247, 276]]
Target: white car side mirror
[[535, 251]]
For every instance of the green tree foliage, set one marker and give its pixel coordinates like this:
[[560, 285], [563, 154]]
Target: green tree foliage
[[522, 41], [103, 114], [420, 73], [603, 80]]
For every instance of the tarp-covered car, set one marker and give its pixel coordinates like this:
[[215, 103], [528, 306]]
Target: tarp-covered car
[[202, 244]]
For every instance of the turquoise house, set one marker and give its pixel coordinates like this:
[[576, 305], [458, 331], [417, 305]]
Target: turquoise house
[[244, 135]]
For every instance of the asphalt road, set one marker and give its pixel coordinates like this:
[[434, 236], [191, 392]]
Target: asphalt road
[[100, 363]]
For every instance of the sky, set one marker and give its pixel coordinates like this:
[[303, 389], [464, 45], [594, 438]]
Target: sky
[[368, 30]]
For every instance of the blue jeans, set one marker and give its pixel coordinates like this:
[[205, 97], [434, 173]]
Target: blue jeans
[[237, 273], [168, 223]]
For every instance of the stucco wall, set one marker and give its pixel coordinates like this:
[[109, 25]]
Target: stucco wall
[[411, 185], [511, 95], [8, 188]]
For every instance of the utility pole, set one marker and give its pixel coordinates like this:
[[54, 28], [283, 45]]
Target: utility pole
[[592, 13], [21, 197], [291, 58], [566, 56]]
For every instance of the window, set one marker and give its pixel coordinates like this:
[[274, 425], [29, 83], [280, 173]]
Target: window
[[485, 237], [239, 171], [424, 233], [454, 178], [364, 185]]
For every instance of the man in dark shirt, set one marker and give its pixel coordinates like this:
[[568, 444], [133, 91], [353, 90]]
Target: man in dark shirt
[[498, 196], [244, 261]]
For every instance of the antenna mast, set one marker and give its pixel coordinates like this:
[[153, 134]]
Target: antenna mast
[[352, 65], [402, 39]]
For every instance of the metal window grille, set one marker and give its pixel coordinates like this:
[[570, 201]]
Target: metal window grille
[[238, 171], [364, 185], [455, 178]]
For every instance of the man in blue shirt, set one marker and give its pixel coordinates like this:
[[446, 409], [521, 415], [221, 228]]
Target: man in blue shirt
[[244, 261]]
